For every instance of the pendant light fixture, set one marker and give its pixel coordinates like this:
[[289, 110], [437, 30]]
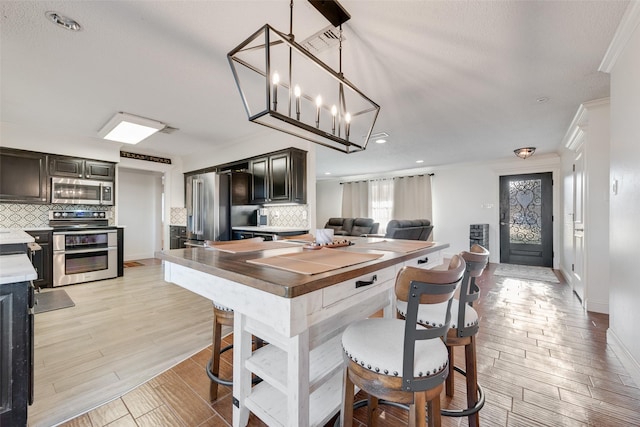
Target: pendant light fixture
[[286, 88], [524, 152]]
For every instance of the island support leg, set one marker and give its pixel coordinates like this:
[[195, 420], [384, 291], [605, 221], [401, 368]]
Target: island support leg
[[241, 375], [298, 380]]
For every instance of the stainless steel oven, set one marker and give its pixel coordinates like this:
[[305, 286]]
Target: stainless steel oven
[[84, 255], [81, 191]]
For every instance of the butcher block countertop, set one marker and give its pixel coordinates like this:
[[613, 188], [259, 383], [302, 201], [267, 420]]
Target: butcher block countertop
[[288, 284]]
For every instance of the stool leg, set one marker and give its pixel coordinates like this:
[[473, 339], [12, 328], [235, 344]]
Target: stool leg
[[347, 400], [417, 410], [372, 411], [449, 382], [215, 355], [472, 380]]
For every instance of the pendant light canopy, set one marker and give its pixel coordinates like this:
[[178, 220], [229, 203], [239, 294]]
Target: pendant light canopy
[[286, 88]]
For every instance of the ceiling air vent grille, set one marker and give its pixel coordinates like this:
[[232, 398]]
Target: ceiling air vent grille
[[322, 40], [168, 129]]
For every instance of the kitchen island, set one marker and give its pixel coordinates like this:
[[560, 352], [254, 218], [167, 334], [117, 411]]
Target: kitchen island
[[300, 315]]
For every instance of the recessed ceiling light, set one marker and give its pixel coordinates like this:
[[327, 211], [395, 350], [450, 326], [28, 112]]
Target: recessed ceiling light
[[327, 173], [63, 21], [380, 141], [419, 161]]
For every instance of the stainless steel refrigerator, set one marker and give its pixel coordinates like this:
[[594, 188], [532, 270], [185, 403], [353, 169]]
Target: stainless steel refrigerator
[[208, 207]]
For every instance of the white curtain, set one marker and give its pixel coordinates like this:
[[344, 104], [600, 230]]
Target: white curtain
[[355, 199], [412, 197], [381, 202]]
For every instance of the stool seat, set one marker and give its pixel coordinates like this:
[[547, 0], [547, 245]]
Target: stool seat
[[433, 314], [375, 345]]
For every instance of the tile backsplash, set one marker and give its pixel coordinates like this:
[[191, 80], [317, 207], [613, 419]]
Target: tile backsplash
[[288, 216], [20, 215], [178, 216]]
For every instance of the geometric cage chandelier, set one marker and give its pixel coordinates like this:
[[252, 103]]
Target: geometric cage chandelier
[[286, 88]]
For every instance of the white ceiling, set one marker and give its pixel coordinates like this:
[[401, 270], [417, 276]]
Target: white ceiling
[[457, 80]]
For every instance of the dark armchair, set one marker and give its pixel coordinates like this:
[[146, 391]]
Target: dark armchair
[[409, 229]]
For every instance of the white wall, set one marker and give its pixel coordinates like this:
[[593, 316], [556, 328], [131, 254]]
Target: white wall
[[465, 194], [139, 201], [329, 200], [624, 297]]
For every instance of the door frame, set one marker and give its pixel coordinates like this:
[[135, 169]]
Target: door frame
[[546, 164]]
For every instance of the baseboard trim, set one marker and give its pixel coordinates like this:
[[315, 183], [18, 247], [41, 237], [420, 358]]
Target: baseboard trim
[[598, 307], [630, 364]]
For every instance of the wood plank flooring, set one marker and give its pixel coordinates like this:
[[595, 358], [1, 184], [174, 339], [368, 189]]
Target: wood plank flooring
[[121, 333], [542, 361]]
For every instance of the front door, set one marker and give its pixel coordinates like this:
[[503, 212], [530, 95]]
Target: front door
[[526, 219]]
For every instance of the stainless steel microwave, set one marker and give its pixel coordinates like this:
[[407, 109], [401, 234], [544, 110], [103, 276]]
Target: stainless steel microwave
[[81, 191]]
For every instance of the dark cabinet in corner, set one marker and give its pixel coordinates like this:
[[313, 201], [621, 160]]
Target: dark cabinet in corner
[[72, 167], [23, 176], [279, 177]]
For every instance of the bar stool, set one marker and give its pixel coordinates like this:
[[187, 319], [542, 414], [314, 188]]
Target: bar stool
[[222, 316], [399, 360], [464, 327]]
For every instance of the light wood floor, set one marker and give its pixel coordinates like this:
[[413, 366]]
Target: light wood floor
[[542, 361], [121, 333]]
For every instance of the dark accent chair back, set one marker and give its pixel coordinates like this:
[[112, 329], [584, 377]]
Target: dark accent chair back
[[409, 229]]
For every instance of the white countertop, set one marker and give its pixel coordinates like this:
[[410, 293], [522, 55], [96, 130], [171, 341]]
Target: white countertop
[[14, 235], [16, 268]]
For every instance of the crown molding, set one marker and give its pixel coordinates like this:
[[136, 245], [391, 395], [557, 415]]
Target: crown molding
[[629, 22], [573, 138]]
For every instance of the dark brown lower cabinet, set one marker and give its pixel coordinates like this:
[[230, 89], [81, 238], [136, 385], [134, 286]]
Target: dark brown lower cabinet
[[16, 352]]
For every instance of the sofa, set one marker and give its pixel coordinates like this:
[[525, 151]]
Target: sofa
[[352, 226], [409, 229]]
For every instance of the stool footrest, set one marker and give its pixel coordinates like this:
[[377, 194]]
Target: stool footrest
[[468, 411], [444, 412], [217, 379]]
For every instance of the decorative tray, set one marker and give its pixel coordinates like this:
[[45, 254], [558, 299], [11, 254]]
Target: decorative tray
[[334, 244]]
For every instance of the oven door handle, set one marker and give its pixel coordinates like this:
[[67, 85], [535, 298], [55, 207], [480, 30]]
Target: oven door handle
[[86, 251], [66, 233]]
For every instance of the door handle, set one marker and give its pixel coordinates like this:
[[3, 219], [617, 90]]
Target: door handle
[[503, 223]]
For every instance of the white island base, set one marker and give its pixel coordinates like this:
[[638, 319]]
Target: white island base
[[302, 367]]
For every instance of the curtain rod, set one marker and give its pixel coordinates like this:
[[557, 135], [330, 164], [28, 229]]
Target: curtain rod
[[382, 179]]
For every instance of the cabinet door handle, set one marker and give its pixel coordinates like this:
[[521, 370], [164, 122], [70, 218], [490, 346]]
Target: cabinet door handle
[[423, 261], [361, 283]]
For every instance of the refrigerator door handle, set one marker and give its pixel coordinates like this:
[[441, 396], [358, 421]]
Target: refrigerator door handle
[[197, 209]]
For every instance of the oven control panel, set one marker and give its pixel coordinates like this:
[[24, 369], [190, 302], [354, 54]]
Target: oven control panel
[[79, 215]]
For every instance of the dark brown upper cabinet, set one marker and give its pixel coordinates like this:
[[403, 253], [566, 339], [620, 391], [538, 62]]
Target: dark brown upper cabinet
[[23, 176], [279, 177], [72, 167]]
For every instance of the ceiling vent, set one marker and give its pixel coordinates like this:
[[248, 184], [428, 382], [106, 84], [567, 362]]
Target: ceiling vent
[[322, 40], [168, 130]]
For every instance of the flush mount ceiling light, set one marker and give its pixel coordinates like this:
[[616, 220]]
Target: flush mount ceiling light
[[525, 152], [63, 21], [286, 88], [130, 129]]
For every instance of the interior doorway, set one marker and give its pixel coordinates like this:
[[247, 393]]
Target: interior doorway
[[140, 210], [526, 219]]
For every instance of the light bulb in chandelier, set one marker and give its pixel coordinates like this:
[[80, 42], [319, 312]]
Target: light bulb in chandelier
[[275, 80]]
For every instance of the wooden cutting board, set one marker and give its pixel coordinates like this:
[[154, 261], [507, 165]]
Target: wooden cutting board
[[314, 262], [250, 246], [403, 246]]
